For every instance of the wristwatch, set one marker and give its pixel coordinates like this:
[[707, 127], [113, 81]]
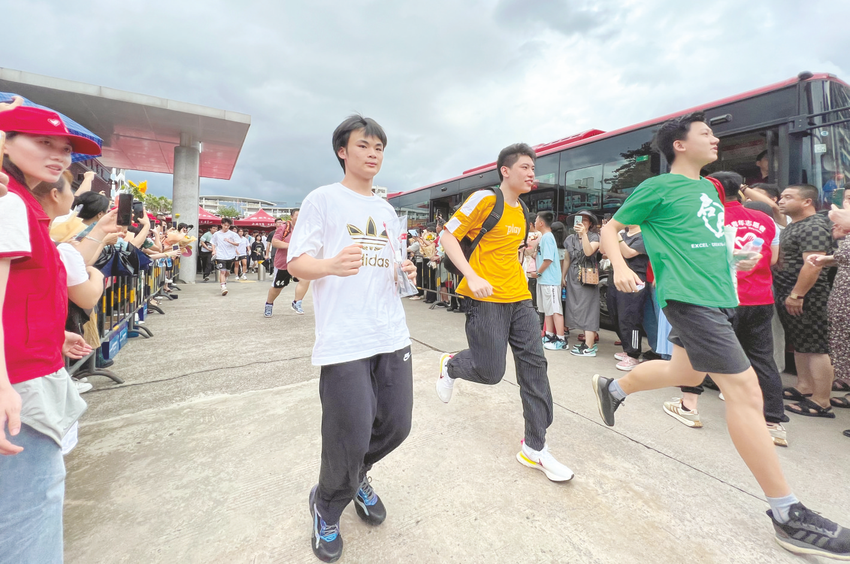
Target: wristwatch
[[794, 296]]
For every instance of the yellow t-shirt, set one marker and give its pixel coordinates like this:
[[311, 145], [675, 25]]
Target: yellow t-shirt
[[496, 258]]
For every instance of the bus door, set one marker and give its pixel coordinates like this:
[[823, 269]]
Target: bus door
[[441, 209], [755, 155]]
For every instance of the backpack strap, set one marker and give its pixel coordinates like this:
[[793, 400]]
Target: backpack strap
[[524, 243], [492, 219]]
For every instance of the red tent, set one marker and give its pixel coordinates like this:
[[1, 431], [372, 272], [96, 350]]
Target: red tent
[[259, 219], [206, 218]]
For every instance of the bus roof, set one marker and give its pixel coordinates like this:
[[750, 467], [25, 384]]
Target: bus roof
[[593, 135]]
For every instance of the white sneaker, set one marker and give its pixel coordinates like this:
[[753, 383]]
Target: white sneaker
[[445, 385], [778, 434], [675, 410], [82, 387], [224, 289], [244, 277], [544, 461]]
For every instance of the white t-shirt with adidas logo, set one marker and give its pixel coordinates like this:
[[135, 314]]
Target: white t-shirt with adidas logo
[[356, 316]]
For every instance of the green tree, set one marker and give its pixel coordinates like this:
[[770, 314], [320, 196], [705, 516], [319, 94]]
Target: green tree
[[157, 204], [228, 211]]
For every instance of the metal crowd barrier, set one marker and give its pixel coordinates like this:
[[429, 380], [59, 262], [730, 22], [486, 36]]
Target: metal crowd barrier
[[437, 281], [124, 298]]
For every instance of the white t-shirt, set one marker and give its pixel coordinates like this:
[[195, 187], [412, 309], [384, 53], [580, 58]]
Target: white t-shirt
[[75, 266], [14, 227], [357, 316], [242, 249], [223, 249]]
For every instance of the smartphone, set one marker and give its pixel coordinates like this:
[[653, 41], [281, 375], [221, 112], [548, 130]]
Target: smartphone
[[125, 209], [577, 220], [175, 247]]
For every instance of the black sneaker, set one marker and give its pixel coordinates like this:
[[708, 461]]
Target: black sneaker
[[369, 506], [326, 540], [606, 402], [809, 533]]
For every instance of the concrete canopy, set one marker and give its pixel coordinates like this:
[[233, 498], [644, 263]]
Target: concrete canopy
[[139, 132]]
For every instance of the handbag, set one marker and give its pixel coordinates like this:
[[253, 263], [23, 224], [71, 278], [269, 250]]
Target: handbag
[[588, 271]]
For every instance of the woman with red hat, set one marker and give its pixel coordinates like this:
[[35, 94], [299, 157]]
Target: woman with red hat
[[38, 401]]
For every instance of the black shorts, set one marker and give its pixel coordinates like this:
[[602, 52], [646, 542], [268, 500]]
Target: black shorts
[[223, 264], [281, 278], [242, 257], [707, 335]]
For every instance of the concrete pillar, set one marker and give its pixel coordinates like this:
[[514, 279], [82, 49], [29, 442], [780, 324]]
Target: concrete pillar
[[187, 159]]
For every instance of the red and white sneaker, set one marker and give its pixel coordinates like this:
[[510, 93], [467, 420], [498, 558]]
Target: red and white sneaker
[[445, 385], [621, 356]]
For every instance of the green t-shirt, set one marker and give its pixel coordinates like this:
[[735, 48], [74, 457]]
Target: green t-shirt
[[682, 222]]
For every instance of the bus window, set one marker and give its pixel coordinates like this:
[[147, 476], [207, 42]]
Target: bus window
[[741, 154], [831, 149], [417, 212], [583, 189], [621, 177], [546, 172]]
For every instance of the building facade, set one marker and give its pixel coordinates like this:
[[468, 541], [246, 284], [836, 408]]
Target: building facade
[[245, 206]]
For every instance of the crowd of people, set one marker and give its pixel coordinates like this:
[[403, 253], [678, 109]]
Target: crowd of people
[[57, 237], [695, 267]]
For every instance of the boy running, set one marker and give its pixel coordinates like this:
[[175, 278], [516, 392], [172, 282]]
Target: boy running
[[224, 245], [342, 241], [500, 309], [681, 217], [281, 278]]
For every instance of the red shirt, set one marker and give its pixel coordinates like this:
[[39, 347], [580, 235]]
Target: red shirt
[[36, 301], [755, 287], [282, 233]]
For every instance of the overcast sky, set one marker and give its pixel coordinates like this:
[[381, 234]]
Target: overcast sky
[[451, 82]]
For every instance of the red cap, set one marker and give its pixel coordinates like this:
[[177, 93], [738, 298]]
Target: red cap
[[36, 121]]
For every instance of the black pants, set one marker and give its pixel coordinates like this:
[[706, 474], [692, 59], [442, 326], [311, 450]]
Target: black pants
[[206, 263], [420, 271], [490, 328], [753, 328], [367, 406], [430, 284], [626, 312]]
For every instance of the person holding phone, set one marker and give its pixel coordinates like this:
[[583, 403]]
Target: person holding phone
[[39, 404], [582, 310]]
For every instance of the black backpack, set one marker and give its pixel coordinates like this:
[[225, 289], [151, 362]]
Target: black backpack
[[468, 245]]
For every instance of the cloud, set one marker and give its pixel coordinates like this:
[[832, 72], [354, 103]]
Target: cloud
[[451, 82]]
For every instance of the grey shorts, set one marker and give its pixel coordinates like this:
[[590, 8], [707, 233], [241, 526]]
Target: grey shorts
[[707, 335]]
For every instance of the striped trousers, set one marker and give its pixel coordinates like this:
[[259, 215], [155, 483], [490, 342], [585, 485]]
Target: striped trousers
[[490, 328]]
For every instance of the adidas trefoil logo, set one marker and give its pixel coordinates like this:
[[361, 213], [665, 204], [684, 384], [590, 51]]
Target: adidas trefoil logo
[[371, 240]]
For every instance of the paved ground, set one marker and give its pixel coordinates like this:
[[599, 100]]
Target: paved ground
[[209, 450]]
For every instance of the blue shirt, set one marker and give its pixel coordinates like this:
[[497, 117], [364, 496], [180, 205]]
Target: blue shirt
[[548, 250]]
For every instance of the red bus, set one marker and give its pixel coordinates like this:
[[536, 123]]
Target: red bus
[[801, 124]]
